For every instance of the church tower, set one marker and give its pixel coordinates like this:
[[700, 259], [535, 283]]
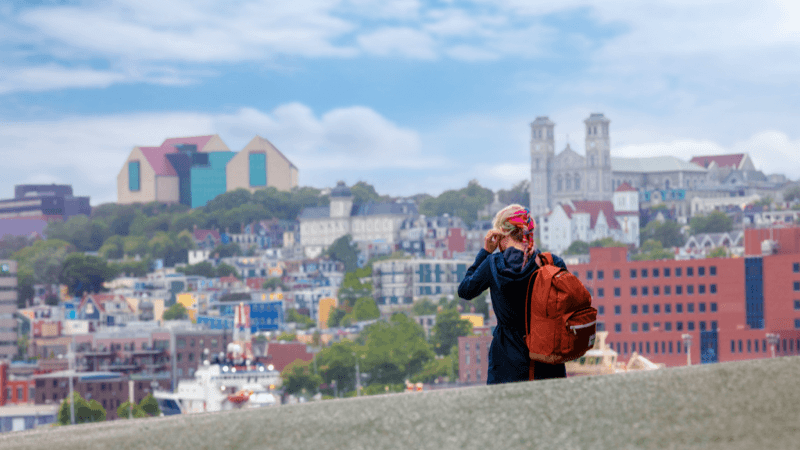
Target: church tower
[[542, 152], [598, 158]]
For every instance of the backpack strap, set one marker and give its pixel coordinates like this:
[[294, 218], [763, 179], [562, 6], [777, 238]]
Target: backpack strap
[[546, 259]]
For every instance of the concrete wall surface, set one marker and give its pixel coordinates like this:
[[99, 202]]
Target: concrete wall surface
[[737, 405]]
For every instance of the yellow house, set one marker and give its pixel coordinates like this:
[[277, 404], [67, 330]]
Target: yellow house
[[326, 306], [189, 301], [475, 319]]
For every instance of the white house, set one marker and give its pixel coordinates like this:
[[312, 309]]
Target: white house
[[588, 220]]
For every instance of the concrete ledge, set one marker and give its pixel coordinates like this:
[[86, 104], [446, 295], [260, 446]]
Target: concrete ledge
[[741, 405]]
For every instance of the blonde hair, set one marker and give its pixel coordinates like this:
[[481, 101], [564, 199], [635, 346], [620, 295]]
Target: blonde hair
[[502, 224], [507, 228]]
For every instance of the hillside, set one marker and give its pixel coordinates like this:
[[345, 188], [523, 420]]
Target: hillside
[[742, 405]]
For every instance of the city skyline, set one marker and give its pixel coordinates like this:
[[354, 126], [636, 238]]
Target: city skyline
[[408, 96]]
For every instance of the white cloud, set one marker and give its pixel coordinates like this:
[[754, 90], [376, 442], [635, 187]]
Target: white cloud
[[88, 151], [405, 42]]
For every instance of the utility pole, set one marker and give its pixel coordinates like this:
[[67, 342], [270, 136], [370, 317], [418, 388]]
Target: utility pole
[[687, 340]]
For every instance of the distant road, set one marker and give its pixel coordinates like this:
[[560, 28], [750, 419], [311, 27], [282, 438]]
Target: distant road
[[741, 405]]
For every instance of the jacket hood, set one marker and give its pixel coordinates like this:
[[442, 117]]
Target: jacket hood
[[508, 265]]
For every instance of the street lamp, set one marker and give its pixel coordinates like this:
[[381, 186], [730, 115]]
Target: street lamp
[[773, 339], [687, 342]]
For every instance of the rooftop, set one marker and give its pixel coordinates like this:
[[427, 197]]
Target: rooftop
[[654, 164]]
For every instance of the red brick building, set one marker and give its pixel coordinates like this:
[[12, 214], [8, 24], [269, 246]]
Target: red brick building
[[729, 306]]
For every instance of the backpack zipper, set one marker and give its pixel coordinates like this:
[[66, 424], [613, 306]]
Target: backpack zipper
[[575, 328]]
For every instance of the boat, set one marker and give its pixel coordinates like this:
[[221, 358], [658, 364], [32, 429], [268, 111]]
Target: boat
[[602, 360]]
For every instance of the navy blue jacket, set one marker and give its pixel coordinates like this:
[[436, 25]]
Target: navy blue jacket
[[507, 281]]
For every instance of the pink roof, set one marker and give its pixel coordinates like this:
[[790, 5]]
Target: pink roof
[[625, 187], [200, 141], [156, 157], [593, 208], [281, 355], [100, 301], [568, 210], [733, 160], [200, 235]]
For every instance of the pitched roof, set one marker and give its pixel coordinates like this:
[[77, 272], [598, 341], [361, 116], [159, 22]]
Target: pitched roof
[[199, 141], [101, 300], [593, 208], [200, 235], [625, 187], [156, 157], [733, 160], [653, 164]]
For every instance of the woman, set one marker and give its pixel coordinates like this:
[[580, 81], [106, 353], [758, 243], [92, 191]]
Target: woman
[[506, 274]]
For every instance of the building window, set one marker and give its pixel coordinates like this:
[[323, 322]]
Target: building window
[[667, 326], [740, 346], [617, 275], [690, 289], [679, 326], [134, 176], [258, 169], [701, 271], [667, 290], [645, 309], [618, 309], [589, 275], [634, 327], [702, 325], [576, 274], [678, 308], [666, 271], [667, 308], [618, 327], [797, 323], [690, 307], [644, 273], [633, 291], [600, 274], [797, 286], [601, 292], [601, 310], [644, 290], [713, 325], [634, 309], [701, 288], [678, 271], [656, 309], [678, 290], [690, 271], [712, 288], [712, 270], [690, 325], [617, 292], [797, 305], [701, 307], [645, 327], [656, 290], [655, 273], [670, 347], [633, 273], [796, 267], [733, 346]]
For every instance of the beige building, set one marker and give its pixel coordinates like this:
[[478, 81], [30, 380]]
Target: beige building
[[194, 170]]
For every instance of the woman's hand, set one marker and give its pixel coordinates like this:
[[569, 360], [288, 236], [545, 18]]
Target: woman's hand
[[491, 240]]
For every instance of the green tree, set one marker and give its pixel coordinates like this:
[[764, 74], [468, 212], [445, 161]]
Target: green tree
[[577, 248], [652, 250], [433, 369], [85, 273], [517, 194], [714, 222], [366, 309], [86, 235], [85, 412], [336, 317], [449, 327], [301, 320], [176, 312], [791, 194], [149, 405], [226, 270], [11, 244], [718, 252], [337, 363], [668, 233], [123, 411], [463, 203], [113, 247], [299, 377], [606, 242], [394, 350], [424, 307], [352, 288], [227, 250], [274, 283], [364, 193], [203, 269], [344, 250]]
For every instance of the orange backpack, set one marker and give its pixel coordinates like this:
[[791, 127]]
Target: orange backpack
[[560, 320]]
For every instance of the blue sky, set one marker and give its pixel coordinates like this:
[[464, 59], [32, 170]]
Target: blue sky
[[407, 95]]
